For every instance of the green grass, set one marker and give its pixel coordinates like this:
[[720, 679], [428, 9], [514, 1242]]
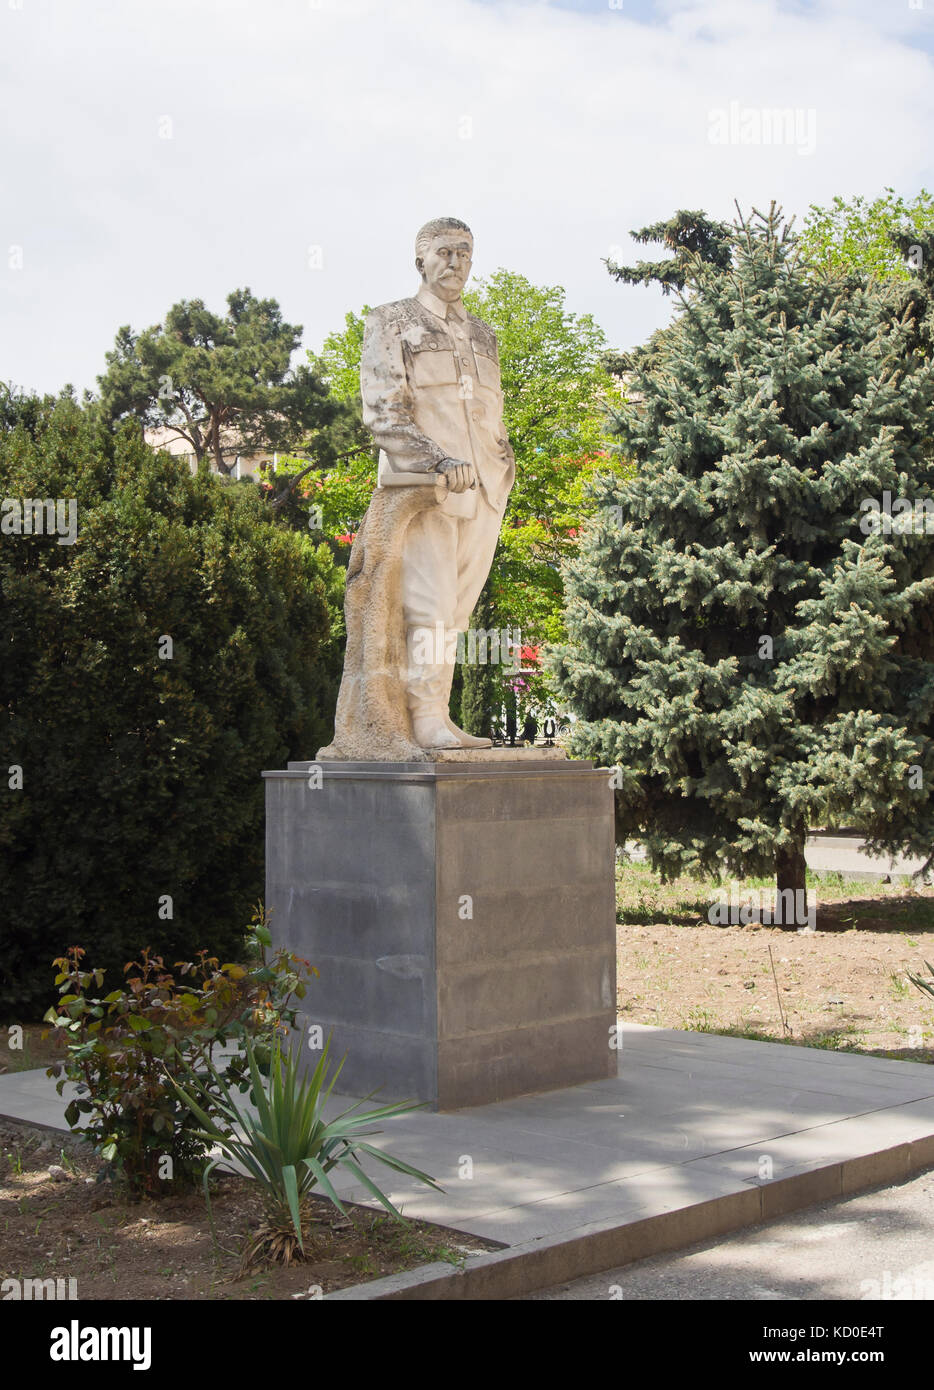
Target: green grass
[[900, 987], [845, 1039], [845, 903]]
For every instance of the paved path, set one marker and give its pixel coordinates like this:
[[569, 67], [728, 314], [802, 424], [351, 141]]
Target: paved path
[[844, 854], [878, 1246], [839, 854], [693, 1124]]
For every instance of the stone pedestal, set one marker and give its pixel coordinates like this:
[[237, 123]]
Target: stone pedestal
[[461, 914]]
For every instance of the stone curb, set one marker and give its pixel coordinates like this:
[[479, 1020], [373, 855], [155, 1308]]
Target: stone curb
[[590, 1249]]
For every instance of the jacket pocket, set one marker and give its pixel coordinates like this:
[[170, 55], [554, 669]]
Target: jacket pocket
[[487, 370], [433, 366]]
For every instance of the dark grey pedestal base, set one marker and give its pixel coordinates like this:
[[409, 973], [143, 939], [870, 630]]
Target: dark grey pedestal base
[[461, 916]]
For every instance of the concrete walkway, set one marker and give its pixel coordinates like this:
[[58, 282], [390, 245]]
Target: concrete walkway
[[699, 1134], [846, 855], [830, 853]]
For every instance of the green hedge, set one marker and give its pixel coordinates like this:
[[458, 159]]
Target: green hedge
[[141, 775]]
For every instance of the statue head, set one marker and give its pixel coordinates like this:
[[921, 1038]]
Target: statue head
[[443, 256]]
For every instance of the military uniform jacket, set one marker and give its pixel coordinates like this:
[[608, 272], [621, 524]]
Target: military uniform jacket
[[429, 378]]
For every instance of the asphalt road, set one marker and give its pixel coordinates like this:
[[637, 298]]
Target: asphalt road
[[877, 1246]]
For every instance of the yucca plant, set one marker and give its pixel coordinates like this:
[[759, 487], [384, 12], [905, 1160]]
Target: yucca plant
[[287, 1147], [926, 985]]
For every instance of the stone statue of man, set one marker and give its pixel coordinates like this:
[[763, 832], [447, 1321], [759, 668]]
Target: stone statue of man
[[432, 399]]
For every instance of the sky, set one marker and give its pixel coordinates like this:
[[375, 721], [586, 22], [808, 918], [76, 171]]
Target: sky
[[159, 150]]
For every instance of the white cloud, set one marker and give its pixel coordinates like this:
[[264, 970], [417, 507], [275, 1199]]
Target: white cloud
[[340, 124]]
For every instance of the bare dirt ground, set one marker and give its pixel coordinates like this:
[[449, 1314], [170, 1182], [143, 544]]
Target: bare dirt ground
[[64, 1224], [843, 986]]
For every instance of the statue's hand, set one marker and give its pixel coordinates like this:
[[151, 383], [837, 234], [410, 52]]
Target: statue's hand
[[506, 449], [460, 476]]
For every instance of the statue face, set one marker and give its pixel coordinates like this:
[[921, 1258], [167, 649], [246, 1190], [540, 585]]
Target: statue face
[[446, 264]]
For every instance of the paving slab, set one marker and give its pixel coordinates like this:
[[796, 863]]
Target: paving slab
[[697, 1134]]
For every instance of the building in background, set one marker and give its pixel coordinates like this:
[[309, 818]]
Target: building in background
[[246, 465]]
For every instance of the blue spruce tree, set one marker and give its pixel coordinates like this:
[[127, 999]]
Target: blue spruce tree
[[749, 616]]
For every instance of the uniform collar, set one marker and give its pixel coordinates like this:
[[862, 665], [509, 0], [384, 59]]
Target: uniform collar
[[440, 307]]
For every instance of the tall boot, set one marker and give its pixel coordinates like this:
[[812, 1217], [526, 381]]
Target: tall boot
[[428, 682], [464, 739]]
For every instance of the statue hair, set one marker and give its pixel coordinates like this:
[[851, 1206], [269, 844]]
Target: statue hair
[[434, 227]]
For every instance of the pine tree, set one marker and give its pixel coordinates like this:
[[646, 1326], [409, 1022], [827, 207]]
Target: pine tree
[[745, 619], [687, 235], [223, 382]]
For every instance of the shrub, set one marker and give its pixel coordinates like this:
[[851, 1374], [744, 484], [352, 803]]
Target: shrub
[[148, 674], [124, 1048]]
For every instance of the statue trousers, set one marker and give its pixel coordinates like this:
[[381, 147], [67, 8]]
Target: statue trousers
[[445, 563]]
